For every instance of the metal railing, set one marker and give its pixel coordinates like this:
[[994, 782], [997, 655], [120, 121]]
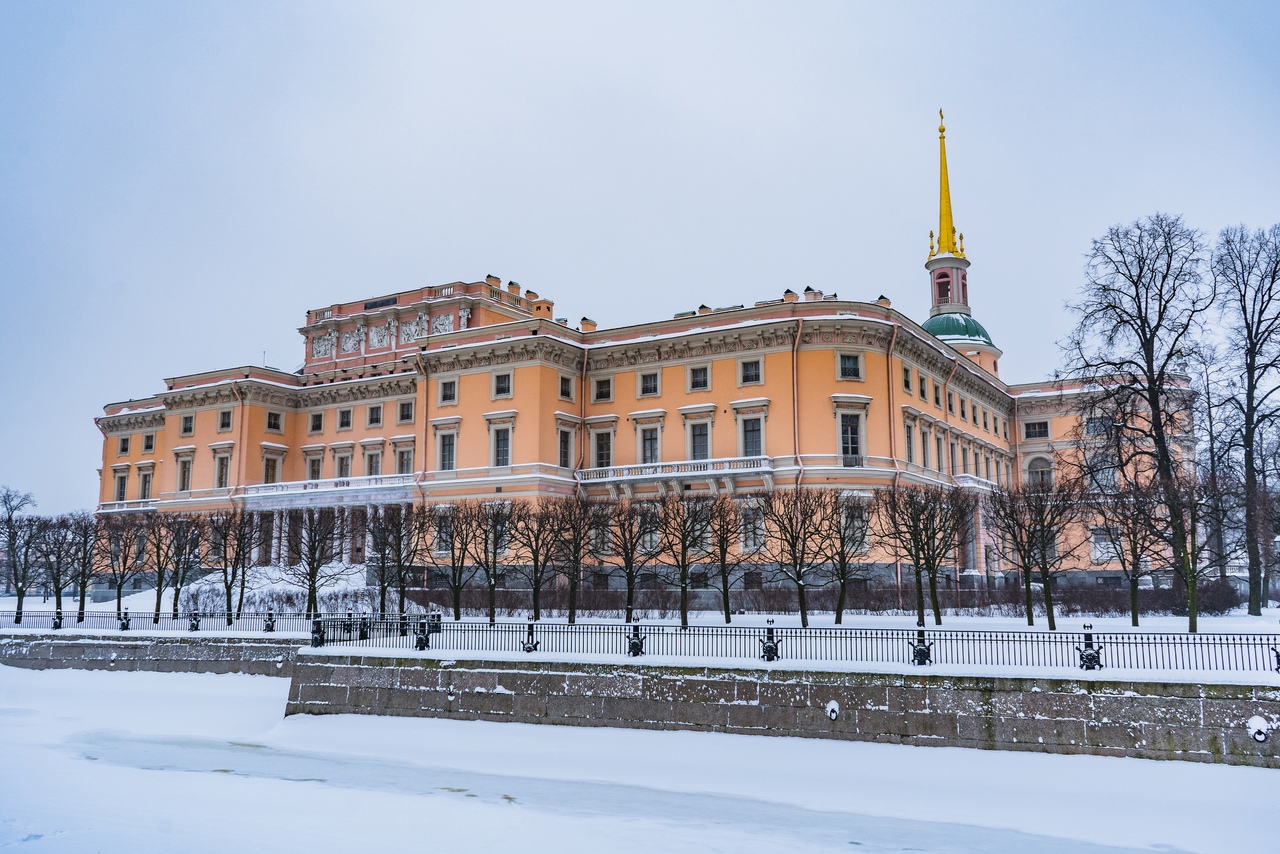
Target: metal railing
[[1020, 651]]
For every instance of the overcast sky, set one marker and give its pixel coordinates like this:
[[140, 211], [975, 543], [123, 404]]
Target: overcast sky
[[180, 182]]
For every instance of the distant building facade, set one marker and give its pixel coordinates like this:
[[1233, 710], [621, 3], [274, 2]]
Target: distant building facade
[[473, 390]]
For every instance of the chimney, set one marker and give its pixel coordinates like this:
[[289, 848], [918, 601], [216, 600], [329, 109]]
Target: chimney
[[493, 280], [513, 288], [811, 294], [587, 325], [883, 300], [790, 296], [530, 295], [704, 309], [542, 307], [563, 321]]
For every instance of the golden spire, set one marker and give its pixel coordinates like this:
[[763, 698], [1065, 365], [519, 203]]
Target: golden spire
[[947, 242]]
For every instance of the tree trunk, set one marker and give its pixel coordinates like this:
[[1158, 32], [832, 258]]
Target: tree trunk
[[1046, 582], [57, 598], [1026, 587], [84, 590], [493, 600], [229, 589], [919, 599], [177, 593], [933, 598], [537, 594], [1252, 535], [17, 616], [803, 601], [684, 598], [844, 585], [244, 572], [119, 600], [573, 597], [1133, 599], [724, 592], [631, 594], [1191, 603], [382, 599], [313, 604], [456, 590]]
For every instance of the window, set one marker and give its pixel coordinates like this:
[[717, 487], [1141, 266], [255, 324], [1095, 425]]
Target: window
[[953, 459], [699, 379], [374, 416], [1040, 472], [342, 466], [184, 476], [404, 461], [148, 442], [274, 421], [123, 449], [448, 392], [566, 449], [975, 414], [144, 485], [316, 424], [911, 443], [224, 420], [502, 385], [751, 444], [850, 366], [270, 470], [188, 425], [699, 441], [648, 384], [752, 529], [502, 447], [906, 378], [373, 463], [313, 468], [448, 441], [649, 445], [951, 403], [443, 540], [122, 486], [924, 448], [604, 390], [964, 409], [1097, 426], [997, 471], [344, 419], [604, 450], [922, 386], [985, 425], [938, 460], [222, 472], [1102, 473], [964, 460], [404, 414], [850, 444], [986, 467], [566, 388], [1102, 545], [937, 394], [1035, 430], [751, 372]]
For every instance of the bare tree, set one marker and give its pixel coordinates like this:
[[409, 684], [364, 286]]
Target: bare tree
[[1125, 533], [734, 537], [22, 557], [632, 532], [1038, 525], [55, 547], [535, 538], [233, 534], [684, 524], [452, 532], [844, 542], [923, 526], [1141, 308], [318, 553], [1246, 270], [84, 531], [577, 520], [794, 519], [12, 505], [121, 550], [188, 535], [492, 524], [399, 538]]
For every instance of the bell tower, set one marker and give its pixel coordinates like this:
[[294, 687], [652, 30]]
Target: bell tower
[[950, 319]]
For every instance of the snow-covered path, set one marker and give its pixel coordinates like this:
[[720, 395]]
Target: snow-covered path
[[135, 762]]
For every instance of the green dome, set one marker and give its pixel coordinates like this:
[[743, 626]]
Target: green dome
[[957, 328]]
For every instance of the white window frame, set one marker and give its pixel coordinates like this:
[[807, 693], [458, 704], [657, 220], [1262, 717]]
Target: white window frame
[[351, 419], [231, 420], [183, 429], [573, 385], [1026, 431], [267, 421], [494, 394], [688, 378], [413, 411], [369, 411], [640, 375], [595, 388], [311, 426], [457, 390], [741, 362], [861, 366]]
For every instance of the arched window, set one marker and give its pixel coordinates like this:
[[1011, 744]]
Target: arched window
[[1040, 472], [943, 284]]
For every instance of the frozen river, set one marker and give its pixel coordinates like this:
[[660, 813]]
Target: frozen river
[[114, 762]]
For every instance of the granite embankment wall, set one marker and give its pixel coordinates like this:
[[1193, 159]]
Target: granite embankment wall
[[1189, 721], [1196, 722], [255, 656]]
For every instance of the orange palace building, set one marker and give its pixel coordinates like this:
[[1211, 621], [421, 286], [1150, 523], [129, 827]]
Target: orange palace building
[[475, 389]]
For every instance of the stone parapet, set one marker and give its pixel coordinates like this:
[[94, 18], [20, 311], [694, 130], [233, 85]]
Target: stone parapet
[[254, 656]]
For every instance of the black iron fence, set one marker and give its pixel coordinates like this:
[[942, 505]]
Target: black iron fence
[[1019, 651]]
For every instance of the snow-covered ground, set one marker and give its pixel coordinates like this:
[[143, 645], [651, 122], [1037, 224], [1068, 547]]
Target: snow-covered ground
[[116, 762]]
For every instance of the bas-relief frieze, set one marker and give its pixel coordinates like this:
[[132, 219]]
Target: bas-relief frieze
[[697, 346], [379, 336], [322, 346], [352, 339], [412, 329], [131, 422], [292, 398], [441, 324], [528, 350]]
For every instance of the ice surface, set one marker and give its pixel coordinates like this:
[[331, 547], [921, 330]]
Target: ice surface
[[116, 762]]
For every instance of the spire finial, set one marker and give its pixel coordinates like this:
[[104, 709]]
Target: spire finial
[[947, 242]]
